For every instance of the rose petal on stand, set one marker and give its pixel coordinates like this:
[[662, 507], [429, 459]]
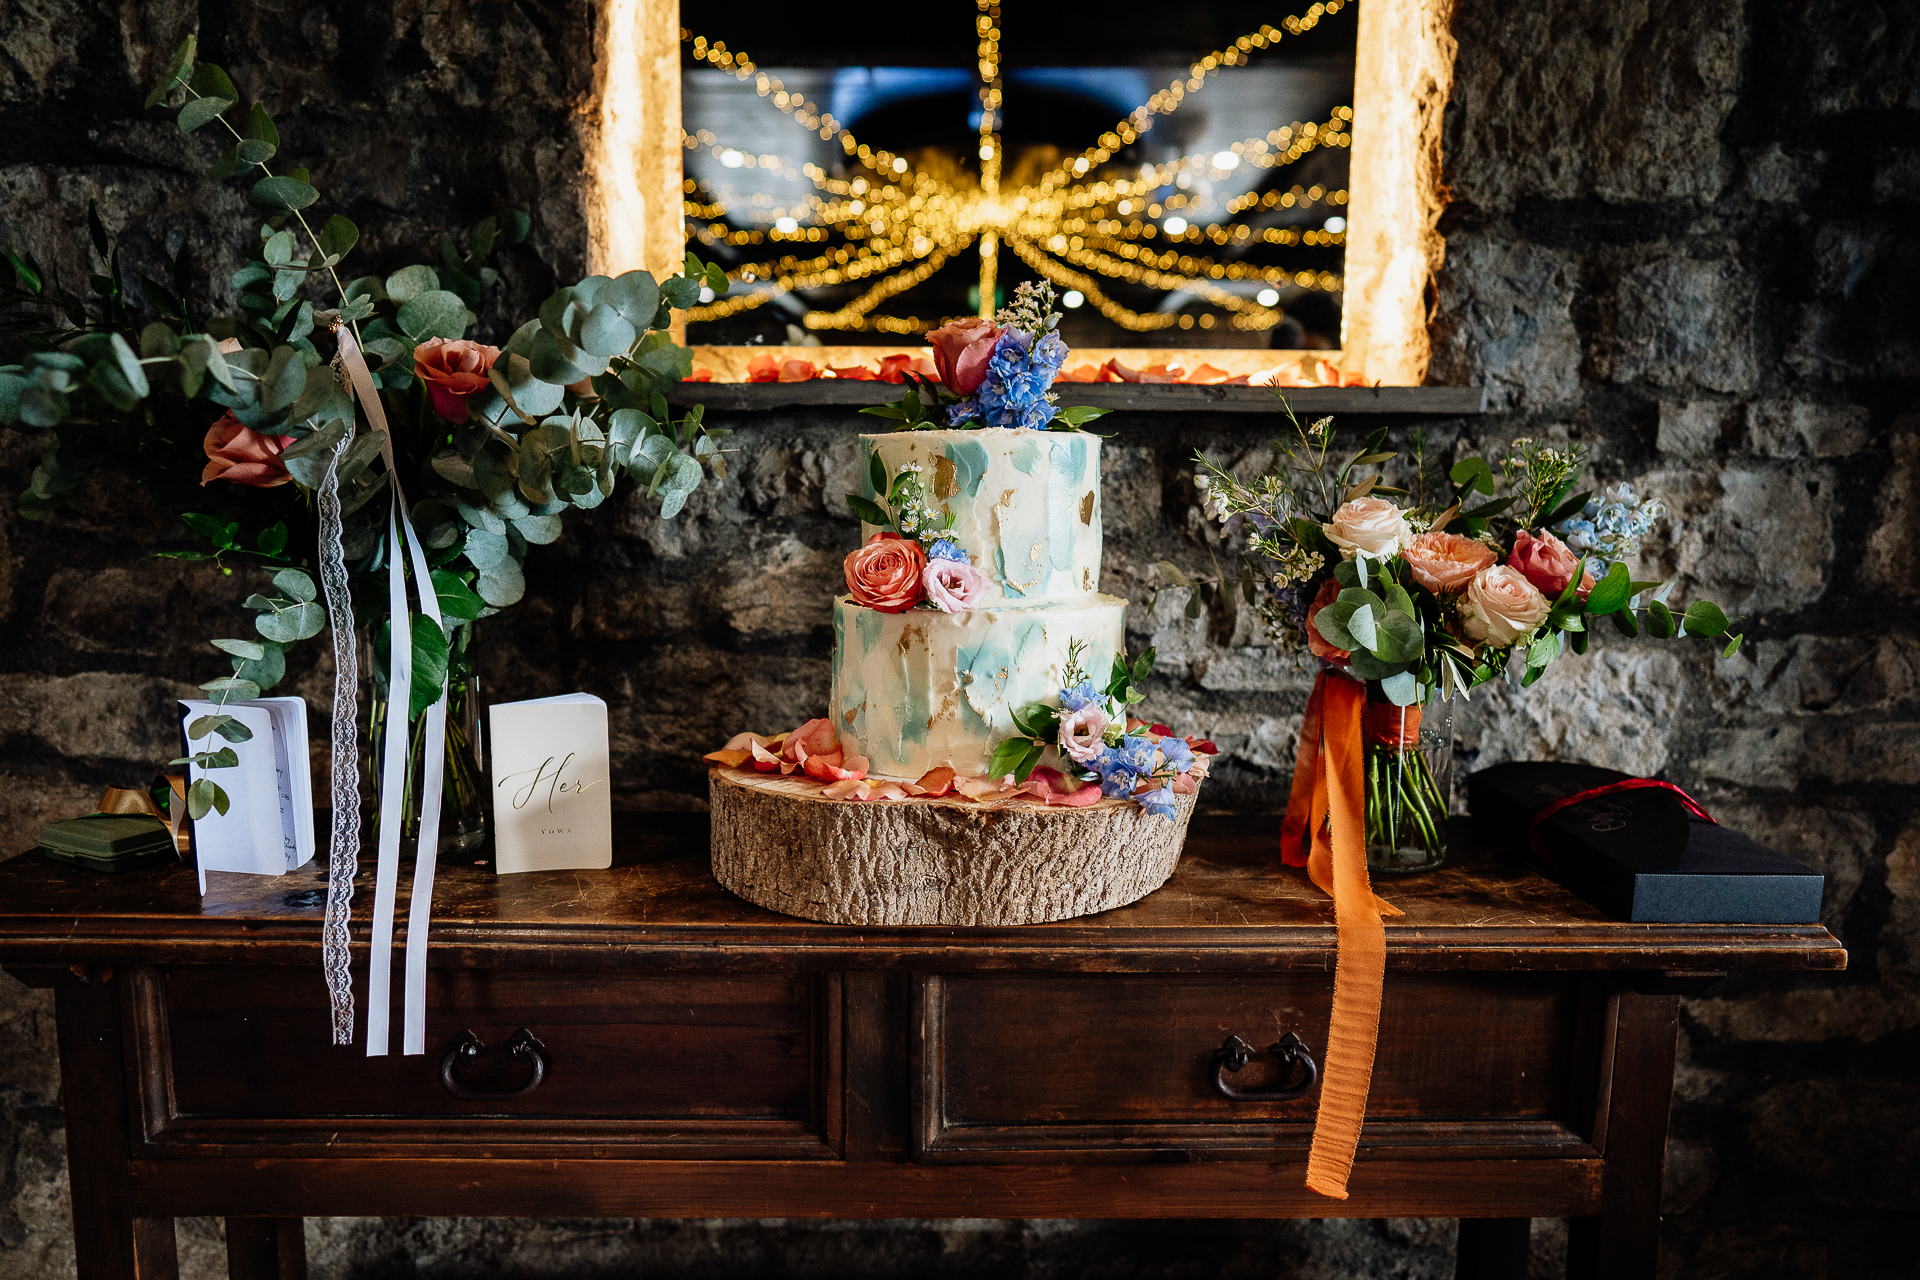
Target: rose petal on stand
[[1184, 785], [850, 789], [1202, 745], [728, 759], [977, 788], [936, 781]]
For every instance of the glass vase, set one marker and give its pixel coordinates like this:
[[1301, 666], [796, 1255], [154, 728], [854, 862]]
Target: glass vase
[[463, 815], [1409, 784]]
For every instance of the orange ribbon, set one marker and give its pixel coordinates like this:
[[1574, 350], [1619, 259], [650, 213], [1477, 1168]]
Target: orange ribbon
[[130, 800], [1327, 803]]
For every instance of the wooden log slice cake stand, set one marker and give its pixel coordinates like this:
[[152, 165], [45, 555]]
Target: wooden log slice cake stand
[[780, 844]]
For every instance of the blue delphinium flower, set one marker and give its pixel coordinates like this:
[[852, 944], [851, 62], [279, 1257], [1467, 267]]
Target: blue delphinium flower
[[1178, 755], [1079, 697], [1114, 780], [960, 414], [1609, 528], [1136, 753], [1158, 802], [942, 549], [1015, 394]]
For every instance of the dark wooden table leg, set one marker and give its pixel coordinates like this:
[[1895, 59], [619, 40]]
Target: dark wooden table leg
[[1624, 1242], [1493, 1249], [109, 1242], [266, 1249]]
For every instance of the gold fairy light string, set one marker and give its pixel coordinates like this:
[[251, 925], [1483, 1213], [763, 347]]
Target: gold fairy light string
[[904, 215]]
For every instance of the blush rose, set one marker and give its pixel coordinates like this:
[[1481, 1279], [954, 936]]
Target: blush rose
[[1372, 527], [1501, 606], [1317, 643], [1547, 563], [954, 586], [885, 574], [238, 453], [1081, 733], [961, 352], [454, 369], [1446, 561]]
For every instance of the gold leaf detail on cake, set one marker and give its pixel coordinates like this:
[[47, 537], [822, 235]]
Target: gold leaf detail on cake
[[1086, 508], [943, 478]]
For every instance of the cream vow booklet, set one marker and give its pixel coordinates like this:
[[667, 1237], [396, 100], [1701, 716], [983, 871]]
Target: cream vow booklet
[[552, 803]]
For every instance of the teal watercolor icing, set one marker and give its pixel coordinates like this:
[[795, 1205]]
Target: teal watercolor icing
[[911, 708], [1078, 450], [1024, 455], [1000, 573], [839, 642], [868, 624], [969, 459], [1063, 489], [867, 490]]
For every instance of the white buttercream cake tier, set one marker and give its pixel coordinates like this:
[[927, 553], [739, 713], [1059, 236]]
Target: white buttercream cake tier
[[919, 689]]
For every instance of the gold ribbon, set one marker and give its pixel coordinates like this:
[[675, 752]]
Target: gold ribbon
[[132, 800]]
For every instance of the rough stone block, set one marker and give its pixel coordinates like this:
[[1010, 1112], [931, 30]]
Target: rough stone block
[[1793, 676], [1799, 429], [1696, 428], [1616, 707], [100, 714], [1892, 561], [1506, 322], [1685, 321], [1572, 98], [1751, 539]]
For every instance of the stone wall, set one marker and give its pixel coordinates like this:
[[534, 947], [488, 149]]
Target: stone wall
[[1683, 236]]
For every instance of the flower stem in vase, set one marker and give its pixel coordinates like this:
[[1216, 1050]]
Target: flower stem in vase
[[1409, 764]]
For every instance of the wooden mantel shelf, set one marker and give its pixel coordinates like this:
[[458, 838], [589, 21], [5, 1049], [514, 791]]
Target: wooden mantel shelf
[[1148, 397]]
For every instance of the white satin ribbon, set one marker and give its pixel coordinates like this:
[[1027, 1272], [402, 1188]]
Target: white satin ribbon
[[394, 766]]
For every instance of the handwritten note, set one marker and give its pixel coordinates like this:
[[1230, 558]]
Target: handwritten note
[[552, 796]]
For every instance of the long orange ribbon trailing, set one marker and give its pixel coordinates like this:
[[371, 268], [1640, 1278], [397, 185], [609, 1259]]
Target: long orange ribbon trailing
[[1325, 830]]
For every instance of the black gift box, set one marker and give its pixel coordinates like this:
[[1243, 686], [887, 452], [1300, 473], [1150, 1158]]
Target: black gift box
[[1639, 854]]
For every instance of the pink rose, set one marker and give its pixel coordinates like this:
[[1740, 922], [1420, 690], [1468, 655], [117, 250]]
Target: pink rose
[[1317, 643], [1547, 563], [953, 585], [961, 350], [239, 453], [1501, 606], [1081, 732], [1445, 561], [454, 369], [1371, 527], [885, 574]]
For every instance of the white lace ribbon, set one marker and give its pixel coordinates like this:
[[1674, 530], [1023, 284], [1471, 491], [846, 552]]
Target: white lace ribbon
[[343, 856], [393, 787]]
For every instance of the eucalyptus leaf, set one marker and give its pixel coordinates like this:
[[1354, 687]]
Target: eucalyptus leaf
[[605, 332], [503, 584], [292, 622], [282, 194], [284, 379], [486, 549], [240, 649], [1402, 690], [409, 283], [201, 111], [1362, 625], [539, 530], [177, 68], [435, 313]]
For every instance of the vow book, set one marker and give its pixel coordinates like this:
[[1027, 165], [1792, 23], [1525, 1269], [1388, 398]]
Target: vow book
[[552, 798], [267, 829]]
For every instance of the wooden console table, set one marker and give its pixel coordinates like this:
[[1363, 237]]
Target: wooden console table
[[639, 1043]]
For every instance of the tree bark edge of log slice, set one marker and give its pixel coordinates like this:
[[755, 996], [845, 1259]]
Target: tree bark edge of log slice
[[780, 844]]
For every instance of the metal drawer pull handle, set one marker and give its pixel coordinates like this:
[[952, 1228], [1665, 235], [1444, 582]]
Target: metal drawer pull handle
[[1289, 1053], [523, 1044]]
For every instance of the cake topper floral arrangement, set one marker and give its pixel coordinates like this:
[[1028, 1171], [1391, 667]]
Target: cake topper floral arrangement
[[995, 373]]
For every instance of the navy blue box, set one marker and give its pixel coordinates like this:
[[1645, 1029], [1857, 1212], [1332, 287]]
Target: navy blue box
[[1638, 854]]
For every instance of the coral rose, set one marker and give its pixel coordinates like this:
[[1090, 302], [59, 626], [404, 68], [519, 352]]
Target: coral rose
[[239, 453], [454, 369], [954, 586], [885, 574], [1546, 562], [1502, 606], [1446, 561], [1371, 527], [961, 351], [1317, 643]]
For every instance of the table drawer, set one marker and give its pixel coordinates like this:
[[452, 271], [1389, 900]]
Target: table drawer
[[692, 1065], [1123, 1067]]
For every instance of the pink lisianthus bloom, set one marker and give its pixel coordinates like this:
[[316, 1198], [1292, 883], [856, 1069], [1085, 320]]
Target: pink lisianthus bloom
[[1547, 563], [238, 453], [454, 369], [953, 586], [961, 352], [1080, 733]]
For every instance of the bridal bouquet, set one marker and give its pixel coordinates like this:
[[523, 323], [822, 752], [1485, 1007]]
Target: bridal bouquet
[[1488, 569]]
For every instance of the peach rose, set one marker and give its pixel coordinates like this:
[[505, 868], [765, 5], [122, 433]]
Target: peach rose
[[1502, 606], [239, 453], [1446, 561], [961, 350], [1372, 527], [1317, 643], [885, 574], [454, 369], [1547, 564]]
